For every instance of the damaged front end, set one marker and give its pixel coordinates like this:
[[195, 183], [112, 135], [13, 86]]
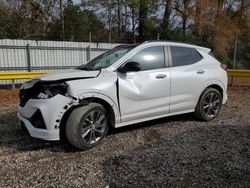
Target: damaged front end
[[42, 90], [42, 106], [46, 101]]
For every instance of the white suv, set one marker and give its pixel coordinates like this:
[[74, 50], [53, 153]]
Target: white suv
[[126, 85]]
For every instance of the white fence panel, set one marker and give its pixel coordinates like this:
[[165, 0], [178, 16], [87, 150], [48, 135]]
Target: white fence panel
[[15, 55]]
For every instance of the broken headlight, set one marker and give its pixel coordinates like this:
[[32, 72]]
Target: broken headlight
[[51, 90]]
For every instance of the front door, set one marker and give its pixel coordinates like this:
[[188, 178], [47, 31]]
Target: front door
[[145, 93]]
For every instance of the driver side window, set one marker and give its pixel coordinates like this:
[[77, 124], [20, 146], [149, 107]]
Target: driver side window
[[150, 58]]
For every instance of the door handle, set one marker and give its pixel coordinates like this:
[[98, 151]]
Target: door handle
[[160, 76], [200, 72]]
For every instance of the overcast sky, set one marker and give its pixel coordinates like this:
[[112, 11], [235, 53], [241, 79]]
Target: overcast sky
[[77, 1]]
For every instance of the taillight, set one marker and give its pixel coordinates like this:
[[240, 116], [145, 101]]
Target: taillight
[[223, 66]]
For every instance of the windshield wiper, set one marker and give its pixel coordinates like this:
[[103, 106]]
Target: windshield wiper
[[88, 69], [84, 68]]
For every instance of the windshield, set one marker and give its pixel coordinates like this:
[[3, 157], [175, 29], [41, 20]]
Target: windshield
[[107, 59]]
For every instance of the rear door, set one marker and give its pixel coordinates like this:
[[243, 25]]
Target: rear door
[[145, 94], [189, 73]]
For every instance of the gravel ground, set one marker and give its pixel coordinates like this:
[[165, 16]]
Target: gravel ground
[[176, 151]]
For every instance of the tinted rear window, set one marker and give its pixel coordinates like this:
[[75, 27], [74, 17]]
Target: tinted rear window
[[184, 56]]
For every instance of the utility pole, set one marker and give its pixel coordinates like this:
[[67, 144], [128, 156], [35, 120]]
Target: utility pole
[[90, 37], [62, 18], [235, 52], [119, 19], [234, 60], [109, 20], [133, 23]]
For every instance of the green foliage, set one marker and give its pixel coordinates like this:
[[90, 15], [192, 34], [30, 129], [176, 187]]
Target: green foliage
[[78, 24], [4, 27]]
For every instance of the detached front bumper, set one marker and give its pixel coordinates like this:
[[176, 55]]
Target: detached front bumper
[[42, 117]]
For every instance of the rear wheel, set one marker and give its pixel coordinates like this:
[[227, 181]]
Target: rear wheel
[[87, 126], [209, 104]]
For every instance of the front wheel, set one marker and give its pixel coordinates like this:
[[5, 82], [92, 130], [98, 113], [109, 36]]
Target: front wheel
[[209, 104], [87, 126]]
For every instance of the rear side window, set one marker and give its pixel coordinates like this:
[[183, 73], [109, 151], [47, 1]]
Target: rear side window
[[184, 56], [150, 58]]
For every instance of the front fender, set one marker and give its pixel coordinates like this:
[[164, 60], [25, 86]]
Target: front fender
[[103, 96]]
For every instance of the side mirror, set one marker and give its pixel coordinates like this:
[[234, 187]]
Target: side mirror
[[130, 67]]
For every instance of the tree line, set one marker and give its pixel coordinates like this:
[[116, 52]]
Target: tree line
[[217, 24]]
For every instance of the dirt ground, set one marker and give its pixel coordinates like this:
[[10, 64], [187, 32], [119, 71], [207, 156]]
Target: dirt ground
[[239, 81], [176, 151]]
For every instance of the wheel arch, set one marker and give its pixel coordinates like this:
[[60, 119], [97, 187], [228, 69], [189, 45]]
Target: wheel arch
[[199, 110], [106, 105], [216, 85], [111, 111]]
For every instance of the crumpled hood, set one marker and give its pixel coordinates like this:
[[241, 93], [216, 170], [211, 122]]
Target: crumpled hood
[[65, 75], [68, 74]]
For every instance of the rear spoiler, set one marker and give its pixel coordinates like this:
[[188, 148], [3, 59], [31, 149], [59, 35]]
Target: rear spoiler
[[206, 50]]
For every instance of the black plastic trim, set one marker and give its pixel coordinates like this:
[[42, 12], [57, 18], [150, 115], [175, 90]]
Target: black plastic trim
[[117, 95], [37, 120]]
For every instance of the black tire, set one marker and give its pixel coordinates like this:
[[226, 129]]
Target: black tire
[[207, 109], [24, 128], [81, 122]]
